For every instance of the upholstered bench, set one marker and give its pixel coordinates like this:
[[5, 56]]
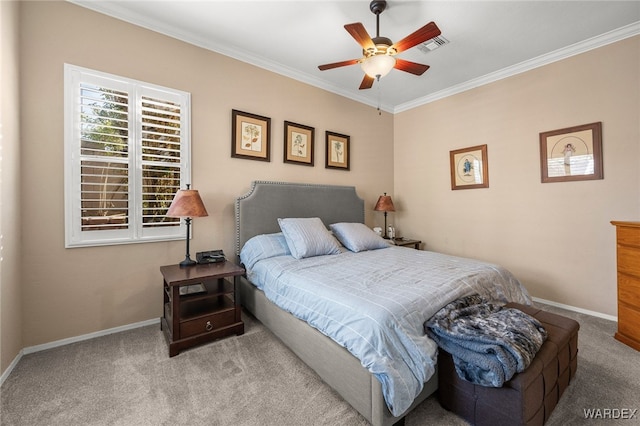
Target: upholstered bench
[[529, 397]]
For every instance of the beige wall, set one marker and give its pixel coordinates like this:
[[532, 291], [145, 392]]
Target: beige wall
[[555, 237], [70, 292], [10, 288]]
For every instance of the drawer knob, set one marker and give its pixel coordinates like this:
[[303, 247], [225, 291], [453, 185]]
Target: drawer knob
[[208, 326]]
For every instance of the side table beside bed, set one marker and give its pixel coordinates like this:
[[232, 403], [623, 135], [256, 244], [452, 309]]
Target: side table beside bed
[[201, 304], [407, 242]]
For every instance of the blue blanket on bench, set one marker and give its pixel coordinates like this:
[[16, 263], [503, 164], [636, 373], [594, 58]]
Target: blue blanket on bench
[[488, 343]]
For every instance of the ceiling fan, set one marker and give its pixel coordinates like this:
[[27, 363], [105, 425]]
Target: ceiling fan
[[379, 53]]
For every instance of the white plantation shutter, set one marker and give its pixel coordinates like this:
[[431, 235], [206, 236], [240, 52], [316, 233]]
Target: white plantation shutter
[[104, 157], [161, 160], [127, 147]]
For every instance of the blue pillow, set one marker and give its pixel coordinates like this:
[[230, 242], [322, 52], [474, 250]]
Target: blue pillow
[[358, 236], [308, 237], [263, 247]]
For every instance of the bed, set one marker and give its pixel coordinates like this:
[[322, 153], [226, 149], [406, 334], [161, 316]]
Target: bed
[[257, 215]]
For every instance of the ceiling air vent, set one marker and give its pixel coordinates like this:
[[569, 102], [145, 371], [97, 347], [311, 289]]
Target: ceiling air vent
[[433, 44]]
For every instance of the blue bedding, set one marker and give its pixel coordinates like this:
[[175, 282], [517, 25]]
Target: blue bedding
[[375, 303]]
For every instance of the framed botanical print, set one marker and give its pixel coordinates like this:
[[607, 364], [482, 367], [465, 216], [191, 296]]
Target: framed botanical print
[[574, 153], [469, 168], [298, 143], [250, 136], [337, 151]]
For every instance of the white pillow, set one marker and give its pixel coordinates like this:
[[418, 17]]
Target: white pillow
[[358, 236], [308, 237]]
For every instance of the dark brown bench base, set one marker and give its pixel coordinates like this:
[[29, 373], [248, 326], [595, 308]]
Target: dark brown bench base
[[529, 397]]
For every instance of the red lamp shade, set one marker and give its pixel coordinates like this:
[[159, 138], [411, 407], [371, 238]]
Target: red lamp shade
[[187, 203], [384, 204]]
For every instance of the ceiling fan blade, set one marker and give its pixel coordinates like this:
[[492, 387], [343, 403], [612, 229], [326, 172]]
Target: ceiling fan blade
[[425, 33], [360, 34], [338, 64], [410, 67], [367, 82]]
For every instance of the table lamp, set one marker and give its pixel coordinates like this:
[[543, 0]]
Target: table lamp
[[187, 203], [385, 204]]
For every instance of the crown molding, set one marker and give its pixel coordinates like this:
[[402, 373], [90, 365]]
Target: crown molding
[[115, 10], [528, 65]]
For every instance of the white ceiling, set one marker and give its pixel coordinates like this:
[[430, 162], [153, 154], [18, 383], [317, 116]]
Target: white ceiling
[[488, 40]]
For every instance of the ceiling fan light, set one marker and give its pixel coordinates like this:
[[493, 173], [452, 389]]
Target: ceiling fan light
[[379, 65]]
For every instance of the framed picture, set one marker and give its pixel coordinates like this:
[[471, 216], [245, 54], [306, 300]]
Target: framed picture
[[469, 168], [337, 151], [250, 136], [574, 153], [298, 144]]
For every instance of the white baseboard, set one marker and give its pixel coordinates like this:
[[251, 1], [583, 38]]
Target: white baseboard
[[11, 366], [575, 309], [62, 342]]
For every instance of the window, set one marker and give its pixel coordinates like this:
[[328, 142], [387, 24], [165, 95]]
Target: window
[[127, 152]]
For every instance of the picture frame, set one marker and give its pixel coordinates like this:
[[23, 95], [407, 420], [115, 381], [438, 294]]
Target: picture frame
[[337, 151], [250, 136], [298, 144], [469, 168], [572, 154]]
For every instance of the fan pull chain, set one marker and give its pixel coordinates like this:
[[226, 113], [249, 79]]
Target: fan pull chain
[[379, 96]]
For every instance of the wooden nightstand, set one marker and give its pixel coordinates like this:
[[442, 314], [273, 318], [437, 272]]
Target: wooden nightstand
[[201, 304], [406, 242]]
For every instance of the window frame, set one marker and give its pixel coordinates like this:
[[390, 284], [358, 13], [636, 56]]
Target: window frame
[[136, 232]]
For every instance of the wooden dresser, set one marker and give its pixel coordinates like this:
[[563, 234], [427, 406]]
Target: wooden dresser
[[628, 255]]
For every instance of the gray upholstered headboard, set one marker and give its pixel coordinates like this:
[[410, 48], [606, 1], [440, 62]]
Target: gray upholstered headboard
[[257, 212]]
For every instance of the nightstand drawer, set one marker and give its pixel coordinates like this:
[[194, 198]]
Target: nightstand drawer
[[207, 323]]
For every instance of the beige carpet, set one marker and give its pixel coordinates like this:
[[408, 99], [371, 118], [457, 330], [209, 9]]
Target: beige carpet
[[128, 379]]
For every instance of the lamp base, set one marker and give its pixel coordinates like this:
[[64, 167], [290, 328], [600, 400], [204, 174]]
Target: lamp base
[[187, 259], [187, 262]]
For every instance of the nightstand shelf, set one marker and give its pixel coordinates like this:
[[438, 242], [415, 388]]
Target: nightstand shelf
[[210, 313]]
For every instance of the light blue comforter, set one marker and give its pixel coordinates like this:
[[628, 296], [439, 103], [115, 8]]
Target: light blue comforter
[[375, 304]]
